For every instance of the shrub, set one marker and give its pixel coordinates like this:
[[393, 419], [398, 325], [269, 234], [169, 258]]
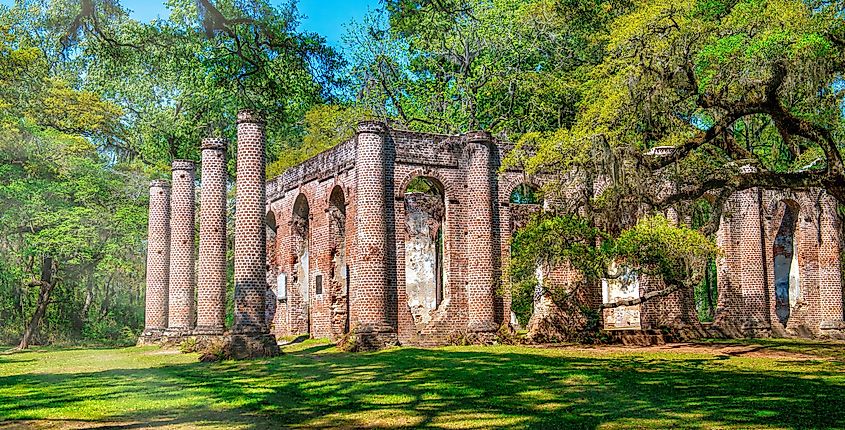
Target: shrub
[[215, 350], [189, 345], [349, 341]]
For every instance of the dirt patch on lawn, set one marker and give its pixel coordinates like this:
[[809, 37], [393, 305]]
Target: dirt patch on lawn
[[115, 425], [65, 424], [731, 350]]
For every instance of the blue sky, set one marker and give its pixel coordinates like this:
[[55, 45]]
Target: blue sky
[[327, 17]]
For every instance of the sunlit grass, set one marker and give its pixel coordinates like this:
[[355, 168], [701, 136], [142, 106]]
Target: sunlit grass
[[316, 386]]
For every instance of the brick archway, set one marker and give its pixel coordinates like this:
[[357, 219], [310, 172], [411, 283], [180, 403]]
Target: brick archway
[[449, 192]]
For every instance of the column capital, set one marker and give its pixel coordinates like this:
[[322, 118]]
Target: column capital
[[375, 127], [214, 143], [159, 183], [478, 136], [250, 116], [188, 165]]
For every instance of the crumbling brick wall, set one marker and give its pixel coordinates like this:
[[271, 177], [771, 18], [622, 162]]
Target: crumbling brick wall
[[371, 230], [402, 156]]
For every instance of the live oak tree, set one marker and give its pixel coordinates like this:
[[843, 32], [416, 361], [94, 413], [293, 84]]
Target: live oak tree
[[183, 78], [733, 94]]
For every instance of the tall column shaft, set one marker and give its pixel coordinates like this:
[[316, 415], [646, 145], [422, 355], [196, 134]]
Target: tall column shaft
[[830, 276], [481, 277], [369, 271], [182, 256], [211, 273], [756, 291], [158, 259], [250, 232]]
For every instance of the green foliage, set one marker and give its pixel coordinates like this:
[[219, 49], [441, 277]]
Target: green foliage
[[525, 194], [180, 79], [61, 199], [189, 345], [655, 246], [676, 254], [326, 126], [504, 65]]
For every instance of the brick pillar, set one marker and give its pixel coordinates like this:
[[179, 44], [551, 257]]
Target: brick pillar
[[481, 279], [830, 276], [182, 258], [755, 263], [211, 276], [158, 260], [250, 335], [369, 277], [250, 233]]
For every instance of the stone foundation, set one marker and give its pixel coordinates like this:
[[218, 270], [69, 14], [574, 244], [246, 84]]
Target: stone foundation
[[245, 346], [372, 341], [150, 337], [832, 330]]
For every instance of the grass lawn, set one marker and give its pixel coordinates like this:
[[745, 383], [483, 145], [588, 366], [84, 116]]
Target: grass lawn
[[768, 384]]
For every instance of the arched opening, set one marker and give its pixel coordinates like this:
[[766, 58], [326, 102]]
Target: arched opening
[[272, 266], [706, 293], [425, 219], [272, 228], [301, 270], [525, 194], [785, 255], [340, 271], [525, 201]]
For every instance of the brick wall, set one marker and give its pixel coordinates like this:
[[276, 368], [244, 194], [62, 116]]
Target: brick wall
[[372, 173], [747, 303], [346, 210]]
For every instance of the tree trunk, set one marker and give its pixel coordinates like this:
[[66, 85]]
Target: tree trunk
[[46, 284], [86, 306], [104, 306]]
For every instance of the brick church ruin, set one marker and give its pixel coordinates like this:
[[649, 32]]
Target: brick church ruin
[[400, 237]]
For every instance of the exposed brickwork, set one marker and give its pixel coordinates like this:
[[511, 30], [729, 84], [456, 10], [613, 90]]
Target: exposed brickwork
[[370, 275], [481, 272], [250, 230], [158, 260], [747, 277], [339, 243], [211, 272], [182, 253]]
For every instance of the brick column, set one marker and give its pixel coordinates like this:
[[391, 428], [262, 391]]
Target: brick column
[[481, 279], [755, 263], [250, 233], [158, 261], [830, 276], [182, 257], [250, 336], [211, 276], [369, 277]]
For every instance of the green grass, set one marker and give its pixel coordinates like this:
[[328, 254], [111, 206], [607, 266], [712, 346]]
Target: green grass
[[315, 386]]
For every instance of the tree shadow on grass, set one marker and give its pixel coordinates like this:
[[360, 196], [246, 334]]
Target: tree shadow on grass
[[476, 388]]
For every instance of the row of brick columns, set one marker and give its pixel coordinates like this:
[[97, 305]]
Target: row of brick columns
[[172, 273]]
